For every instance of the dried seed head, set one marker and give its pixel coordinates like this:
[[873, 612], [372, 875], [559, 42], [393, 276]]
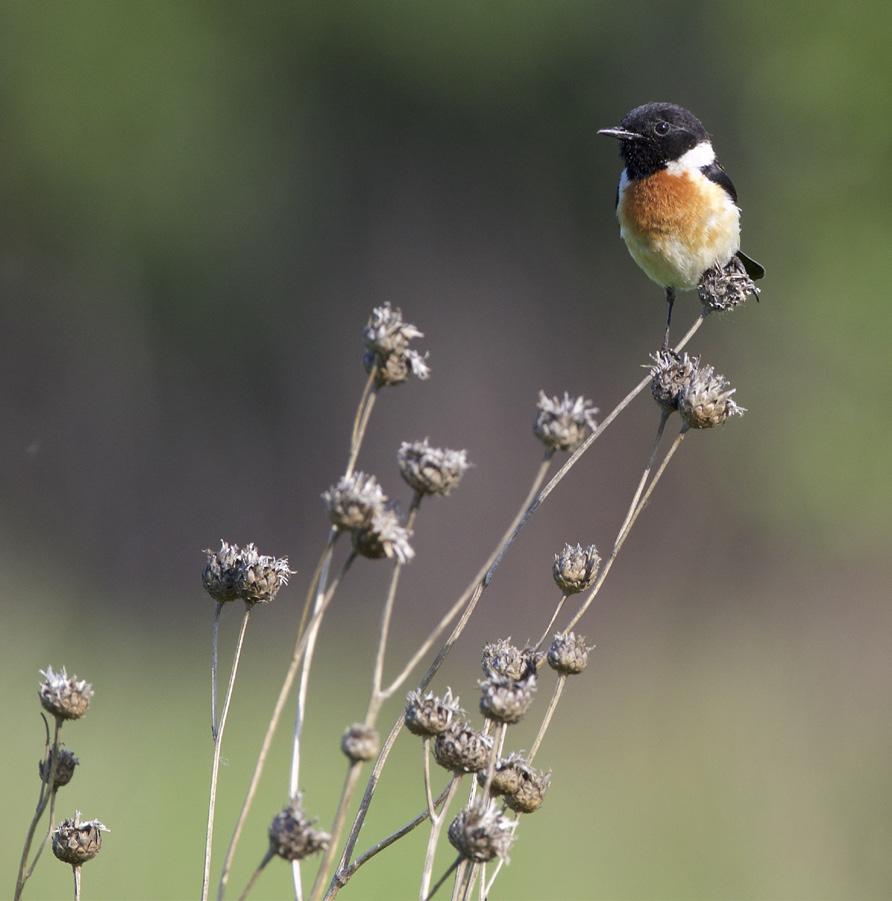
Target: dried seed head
[[65, 697], [723, 288], [360, 742], [386, 338], [669, 375], [506, 777], [291, 834], [481, 835], [506, 700], [431, 470], [501, 658], [568, 654], [76, 841], [384, 537], [429, 715], [242, 573], [576, 568], [529, 794], [462, 749], [564, 424], [706, 401], [66, 762], [353, 501]]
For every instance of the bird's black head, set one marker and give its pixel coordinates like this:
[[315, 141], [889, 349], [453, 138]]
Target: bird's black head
[[656, 134]]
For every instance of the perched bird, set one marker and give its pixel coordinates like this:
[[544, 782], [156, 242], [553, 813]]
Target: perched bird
[[676, 206]]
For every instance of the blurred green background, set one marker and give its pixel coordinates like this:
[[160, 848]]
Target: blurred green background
[[199, 206]]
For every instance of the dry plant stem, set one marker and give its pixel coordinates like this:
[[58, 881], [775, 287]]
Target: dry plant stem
[[470, 878], [554, 616], [549, 713], [361, 419], [444, 798], [215, 641], [497, 746], [284, 691], [436, 825], [270, 854], [46, 791], [46, 835], [426, 755], [215, 766], [456, 864], [486, 888], [77, 883]]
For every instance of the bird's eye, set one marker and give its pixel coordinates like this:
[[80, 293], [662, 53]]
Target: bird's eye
[[661, 128]]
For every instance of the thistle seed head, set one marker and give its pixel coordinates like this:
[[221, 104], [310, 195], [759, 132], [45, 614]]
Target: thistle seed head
[[462, 749], [429, 715], [431, 470], [65, 765], [706, 400], [723, 288], [234, 573], [386, 338], [76, 841], [384, 537], [568, 654], [65, 697], [353, 501], [576, 568], [506, 777], [501, 658], [563, 424], [291, 834], [669, 375], [481, 835], [529, 794], [360, 742], [506, 700]]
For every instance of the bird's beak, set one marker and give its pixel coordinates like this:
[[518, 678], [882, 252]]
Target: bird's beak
[[621, 134]]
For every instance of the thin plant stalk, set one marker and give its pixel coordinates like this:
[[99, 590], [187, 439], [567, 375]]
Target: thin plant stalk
[[426, 763], [215, 642], [46, 836], [270, 854], [554, 616], [361, 419], [455, 865], [497, 746], [431, 852], [46, 790], [77, 883], [284, 691], [549, 713], [215, 766]]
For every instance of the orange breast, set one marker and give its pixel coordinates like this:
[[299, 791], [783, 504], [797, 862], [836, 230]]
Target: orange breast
[[664, 205]]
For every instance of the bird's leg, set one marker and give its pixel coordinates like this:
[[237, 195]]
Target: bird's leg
[[670, 300]]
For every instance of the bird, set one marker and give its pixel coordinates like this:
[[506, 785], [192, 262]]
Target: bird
[[676, 206]]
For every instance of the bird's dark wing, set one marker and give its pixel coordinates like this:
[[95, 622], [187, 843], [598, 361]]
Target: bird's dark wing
[[714, 172], [753, 269]]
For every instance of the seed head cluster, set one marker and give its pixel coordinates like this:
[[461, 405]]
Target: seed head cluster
[[568, 654], [431, 470], [387, 338], [384, 536], [531, 789], [506, 700], [235, 573], [501, 658], [428, 715], [562, 424], [723, 288], [76, 841], [706, 401], [353, 501], [481, 835], [360, 742], [576, 568], [66, 761], [669, 375], [291, 834], [462, 749], [65, 697]]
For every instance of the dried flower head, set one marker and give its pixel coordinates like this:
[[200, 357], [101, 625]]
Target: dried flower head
[[353, 501], [386, 338], [501, 658], [576, 568], [506, 777], [723, 288], [360, 742], [568, 654], [706, 401], [242, 573], [65, 697], [564, 424], [428, 714], [384, 537], [76, 841], [431, 470], [66, 761], [291, 834], [506, 700], [529, 794], [462, 749], [481, 835], [669, 375]]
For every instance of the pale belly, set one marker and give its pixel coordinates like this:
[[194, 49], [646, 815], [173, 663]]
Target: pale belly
[[675, 249]]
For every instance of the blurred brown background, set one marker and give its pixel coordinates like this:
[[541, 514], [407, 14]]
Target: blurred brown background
[[200, 206]]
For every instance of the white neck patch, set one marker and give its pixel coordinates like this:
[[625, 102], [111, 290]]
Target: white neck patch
[[695, 158]]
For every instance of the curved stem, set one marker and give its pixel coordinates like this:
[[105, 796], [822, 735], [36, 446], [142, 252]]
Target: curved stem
[[256, 874], [46, 836], [455, 865], [554, 616], [361, 418], [433, 838], [215, 766], [549, 713], [215, 641]]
